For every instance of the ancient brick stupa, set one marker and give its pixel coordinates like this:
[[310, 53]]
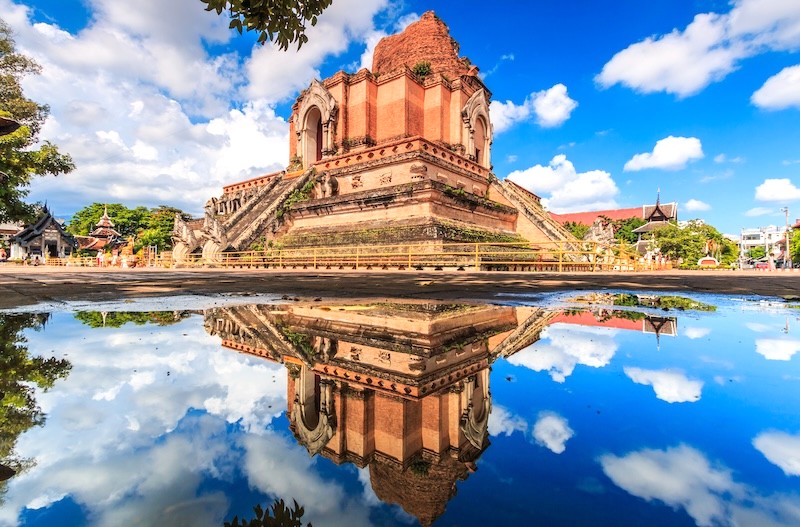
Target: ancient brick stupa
[[399, 154]]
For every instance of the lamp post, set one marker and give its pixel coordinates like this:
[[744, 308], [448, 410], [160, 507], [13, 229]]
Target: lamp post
[[786, 252]]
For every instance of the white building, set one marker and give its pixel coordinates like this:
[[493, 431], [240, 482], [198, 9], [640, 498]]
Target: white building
[[767, 237]]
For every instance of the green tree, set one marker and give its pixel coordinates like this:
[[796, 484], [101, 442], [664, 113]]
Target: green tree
[[149, 226], [794, 248], [281, 21], [116, 319], [19, 373], [20, 159], [693, 242], [579, 230], [757, 253], [159, 227], [623, 229]]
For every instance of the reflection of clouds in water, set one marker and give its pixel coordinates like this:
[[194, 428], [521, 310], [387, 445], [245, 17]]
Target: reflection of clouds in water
[[102, 420], [758, 327], [781, 449], [696, 333], [683, 477], [552, 431], [670, 386], [777, 349], [563, 346], [502, 421], [278, 466]]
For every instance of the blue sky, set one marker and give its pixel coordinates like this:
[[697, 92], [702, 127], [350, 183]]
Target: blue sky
[[595, 105]]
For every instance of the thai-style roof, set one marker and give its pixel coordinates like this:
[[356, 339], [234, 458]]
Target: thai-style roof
[[656, 212], [105, 227], [36, 229], [650, 226]]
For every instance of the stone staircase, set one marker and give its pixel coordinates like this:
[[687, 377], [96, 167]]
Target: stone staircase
[[526, 334], [534, 211], [261, 212]]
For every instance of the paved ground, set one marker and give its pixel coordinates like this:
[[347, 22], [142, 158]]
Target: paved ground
[[21, 286]]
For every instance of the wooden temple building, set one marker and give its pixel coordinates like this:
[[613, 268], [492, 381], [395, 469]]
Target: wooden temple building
[[397, 154]]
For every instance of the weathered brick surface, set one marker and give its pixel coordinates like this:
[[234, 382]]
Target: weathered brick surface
[[427, 39]]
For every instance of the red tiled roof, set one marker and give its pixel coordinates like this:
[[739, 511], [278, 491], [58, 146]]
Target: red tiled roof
[[588, 218], [587, 318]]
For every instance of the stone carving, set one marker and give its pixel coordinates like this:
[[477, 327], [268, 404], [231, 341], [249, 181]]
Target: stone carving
[[329, 186], [356, 182], [182, 233], [385, 179]]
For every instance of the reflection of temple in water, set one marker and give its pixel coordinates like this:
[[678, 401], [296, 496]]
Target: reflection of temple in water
[[400, 388]]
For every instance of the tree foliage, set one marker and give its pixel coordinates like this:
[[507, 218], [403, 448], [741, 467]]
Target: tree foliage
[[281, 21], [279, 515], [757, 253], [579, 230], [116, 319], [693, 242], [148, 226], [20, 160], [19, 373]]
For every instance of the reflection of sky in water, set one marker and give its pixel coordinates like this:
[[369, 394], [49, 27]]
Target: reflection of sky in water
[[589, 426]]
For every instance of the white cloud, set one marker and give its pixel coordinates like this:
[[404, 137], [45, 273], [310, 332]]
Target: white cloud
[[680, 477], [695, 205], [670, 386], [564, 346], [696, 333], [552, 431], [176, 123], [568, 190], [777, 190], [780, 91], [670, 153], [551, 108], [758, 211], [132, 467], [781, 449], [707, 50], [722, 158], [502, 421], [777, 349]]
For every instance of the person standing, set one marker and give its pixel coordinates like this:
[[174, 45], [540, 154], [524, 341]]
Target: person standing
[[99, 258]]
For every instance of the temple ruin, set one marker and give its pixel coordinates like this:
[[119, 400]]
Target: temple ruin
[[399, 154]]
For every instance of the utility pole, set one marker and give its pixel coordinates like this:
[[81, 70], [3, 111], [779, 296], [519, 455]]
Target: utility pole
[[786, 253]]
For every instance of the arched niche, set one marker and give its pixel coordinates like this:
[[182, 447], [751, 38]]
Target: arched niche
[[477, 404], [478, 129], [312, 413], [316, 123]]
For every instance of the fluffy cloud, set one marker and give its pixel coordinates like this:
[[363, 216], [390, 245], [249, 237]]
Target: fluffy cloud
[[680, 477], [696, 333], [564, 346], [777, 190], [780, 91], [777, 349], [552, 431], [670, 386], [149, 116], [568, 190], [136, 389], [758, 211], [694, 205], [670, 153], [502, 421], [781, 449], [550, 107], [707, 50]]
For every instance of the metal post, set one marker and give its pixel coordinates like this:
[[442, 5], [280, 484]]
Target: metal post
[[786, 235]]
